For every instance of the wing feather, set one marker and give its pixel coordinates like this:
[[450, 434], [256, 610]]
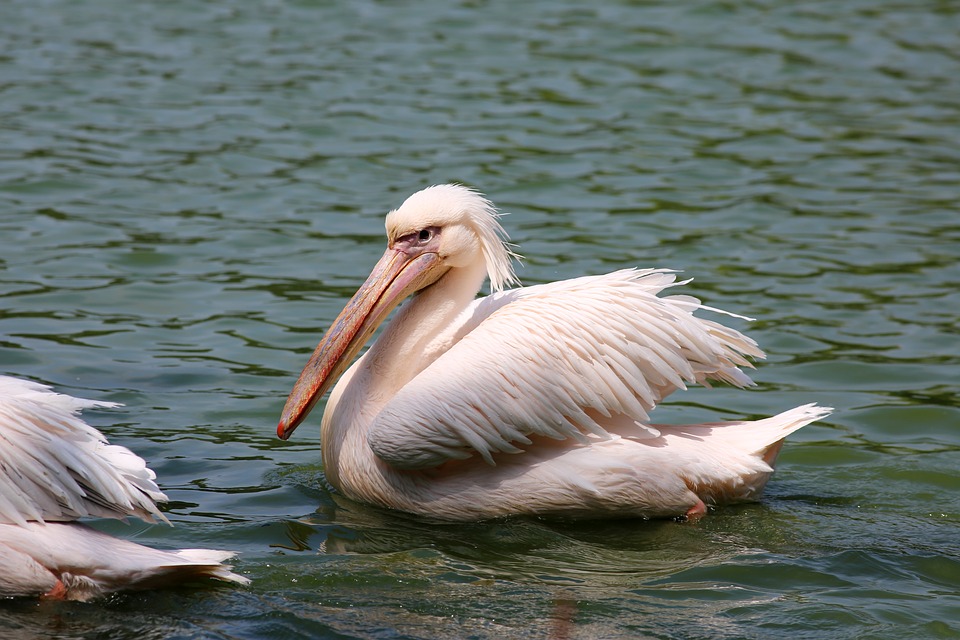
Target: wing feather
[[558, 361], [54, 466]]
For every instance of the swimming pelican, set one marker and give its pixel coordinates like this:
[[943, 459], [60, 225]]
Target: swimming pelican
[[532, 400], [54, 469]]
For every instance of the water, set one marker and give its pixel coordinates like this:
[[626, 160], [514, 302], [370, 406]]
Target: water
[[190, 191]]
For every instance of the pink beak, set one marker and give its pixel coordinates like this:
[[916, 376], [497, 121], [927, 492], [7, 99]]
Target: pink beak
[[402, 270]]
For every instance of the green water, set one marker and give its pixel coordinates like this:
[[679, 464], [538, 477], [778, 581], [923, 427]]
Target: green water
[[190, 190]]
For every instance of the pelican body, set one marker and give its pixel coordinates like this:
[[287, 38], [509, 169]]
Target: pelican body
[[55, 469], [529, 401]]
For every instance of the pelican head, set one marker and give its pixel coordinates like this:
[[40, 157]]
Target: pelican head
[[468, 222], [435, 230]]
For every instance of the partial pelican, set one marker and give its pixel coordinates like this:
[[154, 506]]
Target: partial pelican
[[54, 469], [532, 400]]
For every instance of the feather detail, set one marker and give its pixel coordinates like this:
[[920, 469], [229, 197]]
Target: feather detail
[[643, 347], [55, 468]]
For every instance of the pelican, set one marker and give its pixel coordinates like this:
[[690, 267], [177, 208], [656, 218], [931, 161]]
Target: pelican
[[54, 469], [529, 401]]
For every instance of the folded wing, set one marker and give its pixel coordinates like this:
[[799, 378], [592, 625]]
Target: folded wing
[[55, 467], [563, 361]]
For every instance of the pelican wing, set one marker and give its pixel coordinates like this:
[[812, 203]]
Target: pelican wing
[[54, 466], [562, 360]]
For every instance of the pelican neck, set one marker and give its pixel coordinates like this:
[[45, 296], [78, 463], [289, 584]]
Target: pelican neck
[[417, 335]]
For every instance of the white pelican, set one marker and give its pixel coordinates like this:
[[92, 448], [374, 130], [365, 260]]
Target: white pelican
[[54, 469], [533, 400]]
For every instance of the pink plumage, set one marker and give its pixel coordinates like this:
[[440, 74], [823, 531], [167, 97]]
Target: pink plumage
[[533, 400], [55, 469]]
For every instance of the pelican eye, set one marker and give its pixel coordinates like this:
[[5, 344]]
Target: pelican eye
[[420, 238]]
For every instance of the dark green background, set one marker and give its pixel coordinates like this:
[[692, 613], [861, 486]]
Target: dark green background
[[189, 191]]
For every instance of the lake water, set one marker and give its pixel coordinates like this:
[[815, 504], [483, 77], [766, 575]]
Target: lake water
[[189, 191]]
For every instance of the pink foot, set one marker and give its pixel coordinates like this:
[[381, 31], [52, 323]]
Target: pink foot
[[696, 512], [58, 592]]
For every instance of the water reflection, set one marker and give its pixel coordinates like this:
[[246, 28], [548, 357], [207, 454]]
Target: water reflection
[[607, 554], [553, 579]]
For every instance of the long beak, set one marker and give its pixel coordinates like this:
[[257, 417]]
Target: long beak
[[398, 274]]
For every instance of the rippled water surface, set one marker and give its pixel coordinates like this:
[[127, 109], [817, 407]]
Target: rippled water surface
[[190, 190]]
